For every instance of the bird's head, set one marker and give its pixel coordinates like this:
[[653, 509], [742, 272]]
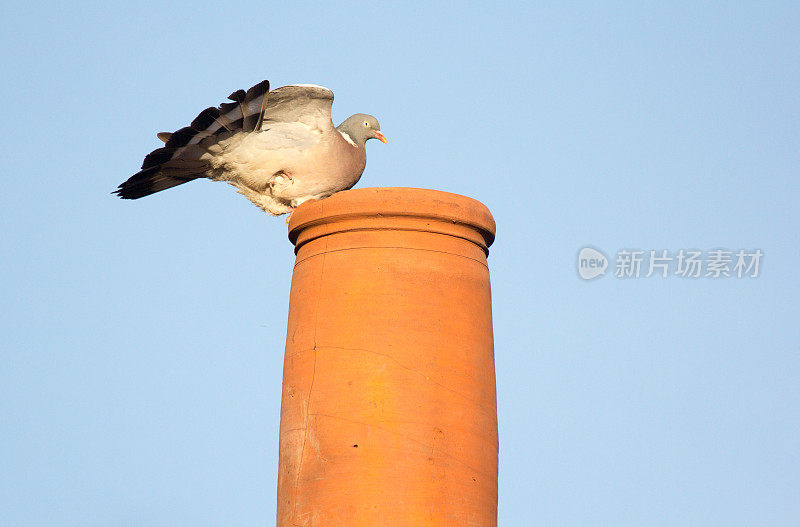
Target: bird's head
[[361, 127]]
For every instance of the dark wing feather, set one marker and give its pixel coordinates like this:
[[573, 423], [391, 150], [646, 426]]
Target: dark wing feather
[[152, 180], [254, 101]]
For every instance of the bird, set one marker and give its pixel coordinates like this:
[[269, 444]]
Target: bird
[[278, 148]]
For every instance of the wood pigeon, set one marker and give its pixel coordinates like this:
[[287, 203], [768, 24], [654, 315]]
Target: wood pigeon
[[279, 148]]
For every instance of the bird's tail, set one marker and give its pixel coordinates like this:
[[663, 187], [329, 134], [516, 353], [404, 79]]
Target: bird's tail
[[159, 177], [179, 160]]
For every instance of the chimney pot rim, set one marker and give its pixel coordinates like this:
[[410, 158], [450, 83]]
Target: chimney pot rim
[[384, 202]]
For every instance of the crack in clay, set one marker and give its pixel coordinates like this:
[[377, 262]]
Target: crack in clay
[[411, 439], [305, 436], [491, 410]]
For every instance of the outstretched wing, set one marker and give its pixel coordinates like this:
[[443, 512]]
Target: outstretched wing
[[179, 160], [251, 109], [241, 115]]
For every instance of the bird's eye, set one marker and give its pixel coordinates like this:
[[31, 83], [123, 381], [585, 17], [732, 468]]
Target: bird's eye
[[366, 124]]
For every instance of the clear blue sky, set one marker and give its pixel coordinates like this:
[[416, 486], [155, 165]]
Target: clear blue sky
[[142, 342]]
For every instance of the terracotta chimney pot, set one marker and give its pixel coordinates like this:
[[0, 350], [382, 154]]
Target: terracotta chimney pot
[[388, 412]]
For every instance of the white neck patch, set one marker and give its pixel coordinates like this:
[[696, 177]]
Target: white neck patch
[[347, 138]]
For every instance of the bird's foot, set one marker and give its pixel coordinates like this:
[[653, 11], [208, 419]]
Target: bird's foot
[[289, 216], [285, 174]]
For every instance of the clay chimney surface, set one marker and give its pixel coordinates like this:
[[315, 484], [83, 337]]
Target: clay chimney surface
[[388, 411]]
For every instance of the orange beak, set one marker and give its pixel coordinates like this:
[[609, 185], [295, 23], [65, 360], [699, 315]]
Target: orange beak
[[379, 136]]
